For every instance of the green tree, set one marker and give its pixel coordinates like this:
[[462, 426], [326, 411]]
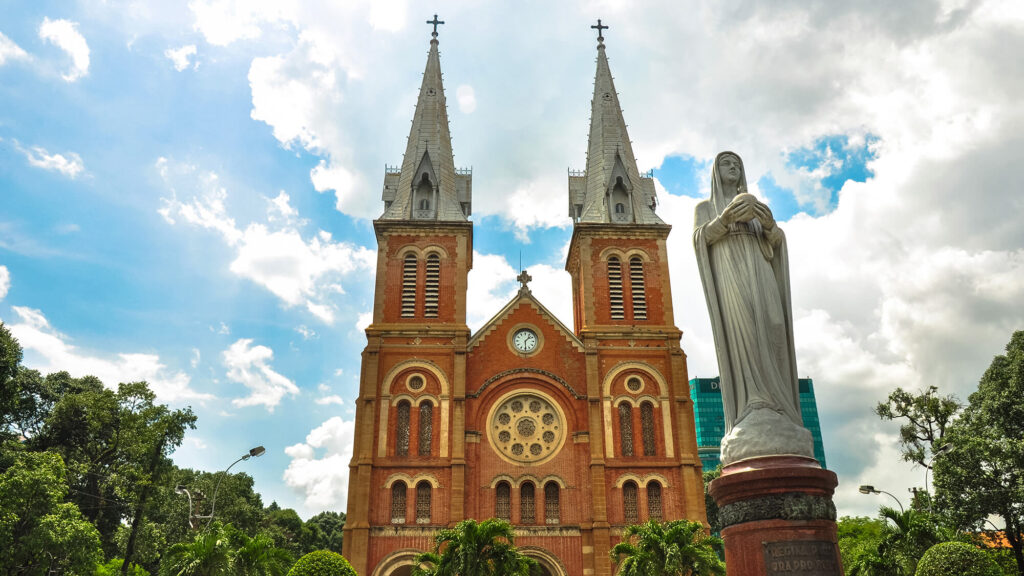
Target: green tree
[[322, 563], [927, 415], [208, 554], [984, 474], [326, 528], [39, 532], [10, 363], [858, 537], [675, 548], [709, 502], [474, 549], [904, 538], [949, 558], [113, 568], [257, 556], [288, 531]]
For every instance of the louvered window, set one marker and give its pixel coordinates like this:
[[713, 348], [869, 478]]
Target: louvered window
[[654, 501], [503, 501], [629, 497], [615, 288], [647, 428], [636, 287], [551, 505], [398, 490], [527, 504], [402, 432], [423, 503], [626, 428], [426, 427], [432, 286], [409, 286]]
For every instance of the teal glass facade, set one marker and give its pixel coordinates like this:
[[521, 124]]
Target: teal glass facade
[[709, 419]]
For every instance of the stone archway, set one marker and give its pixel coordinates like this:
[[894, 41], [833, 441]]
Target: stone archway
[[547, 563], [398, 563]]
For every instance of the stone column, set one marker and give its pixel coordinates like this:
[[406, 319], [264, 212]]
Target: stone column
[[777, 517]]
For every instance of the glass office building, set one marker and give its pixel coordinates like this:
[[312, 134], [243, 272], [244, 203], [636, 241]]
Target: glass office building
[[709, 419]]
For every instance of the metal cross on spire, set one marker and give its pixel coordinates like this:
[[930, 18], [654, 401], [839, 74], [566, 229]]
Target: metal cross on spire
[[435, 22], [599, 28], [524, 279]]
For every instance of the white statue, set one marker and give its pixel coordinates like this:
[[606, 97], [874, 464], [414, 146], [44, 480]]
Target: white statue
[[744, 266]]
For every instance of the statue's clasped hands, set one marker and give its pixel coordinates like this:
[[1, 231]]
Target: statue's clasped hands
[[745, 207]]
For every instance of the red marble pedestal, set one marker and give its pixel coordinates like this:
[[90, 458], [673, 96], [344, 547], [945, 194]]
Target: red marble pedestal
[[778, 517]]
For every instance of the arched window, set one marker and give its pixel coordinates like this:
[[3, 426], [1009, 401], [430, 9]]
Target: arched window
[[654, 501], [398, 490], [402, 429], [432, 286], [527, 504], [620, 208], [626, 428], [409, 286], [629, 509], [426, 427], [423, 502], [647, 428], [503, 501], [636, 287], [615, 288], [551, 506], [424, 204]]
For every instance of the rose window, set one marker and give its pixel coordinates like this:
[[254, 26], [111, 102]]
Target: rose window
[[526, 428]]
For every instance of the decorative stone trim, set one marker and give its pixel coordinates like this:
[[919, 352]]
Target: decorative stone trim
[[785, 506], [537, 371]]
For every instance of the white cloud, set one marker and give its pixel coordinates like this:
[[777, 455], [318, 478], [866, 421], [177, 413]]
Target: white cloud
[[70, 165], [299, 271], [492, 284], [10, 51], [332, 399], [318, 470], [250, 366], [305, 332], [5, 281], [64, 34], [182, 57], [196, 356], [466, 97], [364, 320], [47, 350]]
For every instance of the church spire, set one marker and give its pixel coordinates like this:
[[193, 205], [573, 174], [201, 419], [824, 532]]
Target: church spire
[[612, 189], [427, 186]]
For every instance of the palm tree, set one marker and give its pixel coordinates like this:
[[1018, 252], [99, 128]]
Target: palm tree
[[676, 548], [474, 549], [206, 555], [258, 556], [906, 536]]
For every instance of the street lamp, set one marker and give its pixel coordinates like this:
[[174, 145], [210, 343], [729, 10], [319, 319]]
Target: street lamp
[[180, 489], [868, 489]]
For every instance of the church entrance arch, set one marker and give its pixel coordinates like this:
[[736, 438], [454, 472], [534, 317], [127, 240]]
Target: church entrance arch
[[398, 563], [547, 563]]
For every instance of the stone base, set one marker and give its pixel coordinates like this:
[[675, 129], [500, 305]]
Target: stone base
[[778, 517], [765, 432]]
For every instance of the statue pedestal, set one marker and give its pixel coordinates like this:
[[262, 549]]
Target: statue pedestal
[[778, 517]]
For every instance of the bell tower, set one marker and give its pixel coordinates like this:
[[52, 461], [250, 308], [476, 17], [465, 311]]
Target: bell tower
[[636, 374], [408, 463]]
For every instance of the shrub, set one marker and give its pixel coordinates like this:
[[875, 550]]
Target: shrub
[[113, 568], [956, 558], [322, 563]]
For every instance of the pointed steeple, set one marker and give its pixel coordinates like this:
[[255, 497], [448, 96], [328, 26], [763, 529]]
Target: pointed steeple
[[612, 189], [427, 186]]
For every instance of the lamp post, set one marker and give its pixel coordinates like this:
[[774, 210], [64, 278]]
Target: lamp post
[[931, 461], [254, 452], [868, 489], [181, 489]]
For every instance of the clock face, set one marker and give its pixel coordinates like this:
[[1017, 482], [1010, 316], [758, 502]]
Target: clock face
[[525, 340]]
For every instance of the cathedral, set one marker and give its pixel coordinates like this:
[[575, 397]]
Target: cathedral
[[569, 433]]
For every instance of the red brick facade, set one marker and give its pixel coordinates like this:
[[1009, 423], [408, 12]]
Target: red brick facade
[[504, 424]]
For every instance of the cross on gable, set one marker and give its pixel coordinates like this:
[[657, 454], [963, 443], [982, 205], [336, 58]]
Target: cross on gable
[[599, 28], [435, 22], [524, 278]]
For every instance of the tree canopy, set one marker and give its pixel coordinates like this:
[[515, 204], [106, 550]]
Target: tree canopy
[[474, 549], [676, 548]]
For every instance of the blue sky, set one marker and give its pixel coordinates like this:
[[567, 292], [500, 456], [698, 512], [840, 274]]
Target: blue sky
[[188, 190]]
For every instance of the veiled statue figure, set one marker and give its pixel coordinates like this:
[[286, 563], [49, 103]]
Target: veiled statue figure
[[744, 266]]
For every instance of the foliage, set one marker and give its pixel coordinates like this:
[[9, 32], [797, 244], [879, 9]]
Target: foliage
[[226, 550], [709, 502], [288, 531], [474, 549], [326, 528], [322, 563], [113, 568], [904, 538], [10, 361], [956, 558], [927, 415], [39, 532], [676, 548], [858, 538], [984, 474]]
